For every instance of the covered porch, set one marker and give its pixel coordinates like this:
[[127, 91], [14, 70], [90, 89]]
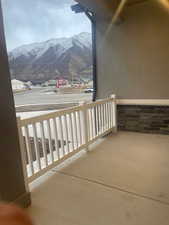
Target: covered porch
[[123, 179]]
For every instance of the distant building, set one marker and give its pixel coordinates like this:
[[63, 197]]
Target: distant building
[[51, 83], [61, 82], [17, 85], [29, 83]]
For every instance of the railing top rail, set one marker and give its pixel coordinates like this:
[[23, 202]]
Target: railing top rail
[[36, 119], [99, 102]]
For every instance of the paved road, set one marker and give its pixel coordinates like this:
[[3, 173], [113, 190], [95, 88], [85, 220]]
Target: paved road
[[45, 96]]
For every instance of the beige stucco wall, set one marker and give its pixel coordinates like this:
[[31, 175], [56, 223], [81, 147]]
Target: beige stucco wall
[[133, 57]]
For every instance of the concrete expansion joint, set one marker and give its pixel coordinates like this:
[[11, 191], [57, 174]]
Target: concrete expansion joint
[[110, 187]]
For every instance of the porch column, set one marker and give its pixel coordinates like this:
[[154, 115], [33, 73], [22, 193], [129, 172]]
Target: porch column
[[12, 186]]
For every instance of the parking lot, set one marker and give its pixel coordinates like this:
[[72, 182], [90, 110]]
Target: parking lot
[[48, 96]]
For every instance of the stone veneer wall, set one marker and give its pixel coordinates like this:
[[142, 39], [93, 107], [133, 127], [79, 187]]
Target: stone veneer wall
[[143, 118]]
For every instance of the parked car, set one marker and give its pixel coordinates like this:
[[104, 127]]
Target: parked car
[[88, 90]]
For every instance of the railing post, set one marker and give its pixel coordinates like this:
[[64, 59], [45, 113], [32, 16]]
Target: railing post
[[85, 125], [114, 116], [23, 152]]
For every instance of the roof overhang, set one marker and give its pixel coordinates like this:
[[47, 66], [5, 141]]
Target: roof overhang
[[107, 8]]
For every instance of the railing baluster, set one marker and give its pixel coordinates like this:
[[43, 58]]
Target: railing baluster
[[108, 112], [80, 128], [96, 120], [91, 122], [62, 139], [109, 115], [90, 128], [108, 119], [29, 150], [71, 131], [98, 116], [56, 139], [43, 143], [105, 118], [111, 105], [36, 145], [104, 114], [75, 126], [66, 132], [102, 117], [50, 140], [88, 124], [85, 125], [104, 110]]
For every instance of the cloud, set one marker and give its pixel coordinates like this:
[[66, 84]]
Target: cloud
[[39, 20]]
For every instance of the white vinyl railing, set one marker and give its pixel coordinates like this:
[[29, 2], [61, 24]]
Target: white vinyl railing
[[49, 139]]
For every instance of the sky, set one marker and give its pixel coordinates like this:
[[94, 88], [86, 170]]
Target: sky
[[29, 21]]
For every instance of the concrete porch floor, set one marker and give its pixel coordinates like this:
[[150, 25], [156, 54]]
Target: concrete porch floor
[[123, 181]]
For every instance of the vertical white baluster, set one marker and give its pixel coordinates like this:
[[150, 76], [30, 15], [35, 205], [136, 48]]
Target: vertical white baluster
[[85, 124], [104, 110], [50, 141], [61, 134], [75, 126], [91, 121], [111, 114], [105, 124], [102, 113], [102, 117], [96, 120], [56, 138], [29, 150], [71, 131], [66, 132], [36, 145], [106, 115], [80, 128], [43, 143], [98, 116], [90, 125], [108, 109]]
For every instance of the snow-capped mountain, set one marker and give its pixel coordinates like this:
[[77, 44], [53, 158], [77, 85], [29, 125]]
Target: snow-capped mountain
[[62, 57]]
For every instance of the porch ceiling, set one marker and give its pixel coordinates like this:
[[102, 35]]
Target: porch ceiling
[[106, 7]]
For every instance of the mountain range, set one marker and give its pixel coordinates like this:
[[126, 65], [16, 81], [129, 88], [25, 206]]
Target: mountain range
[[69, 58]]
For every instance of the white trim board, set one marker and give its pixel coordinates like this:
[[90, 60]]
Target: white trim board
[[158, 102]]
